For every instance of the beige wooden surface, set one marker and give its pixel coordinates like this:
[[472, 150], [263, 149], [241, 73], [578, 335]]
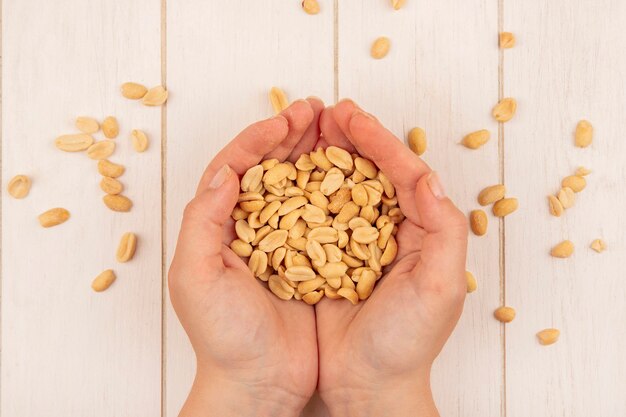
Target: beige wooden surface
[[66, 351]]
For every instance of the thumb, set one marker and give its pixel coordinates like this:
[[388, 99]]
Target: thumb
[[444, 249], [200, 237]]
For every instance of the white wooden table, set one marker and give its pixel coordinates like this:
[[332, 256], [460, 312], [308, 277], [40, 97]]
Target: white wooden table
[[67, 351]]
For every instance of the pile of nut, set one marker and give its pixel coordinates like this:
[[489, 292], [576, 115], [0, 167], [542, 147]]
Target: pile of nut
[[325, 225]]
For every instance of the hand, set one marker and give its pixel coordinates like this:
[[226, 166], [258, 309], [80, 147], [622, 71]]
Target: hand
[[256, 354], [375, 358]]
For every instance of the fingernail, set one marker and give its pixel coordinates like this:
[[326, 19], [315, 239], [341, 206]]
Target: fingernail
[[435, 186], [220, 177], [361, 112], [346, 100], [314, 98]]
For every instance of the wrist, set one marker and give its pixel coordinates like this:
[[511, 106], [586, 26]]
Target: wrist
[[401, 397], [214, 395]]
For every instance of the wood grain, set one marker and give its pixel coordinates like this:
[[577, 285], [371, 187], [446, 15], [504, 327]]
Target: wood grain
[[223, 57], [66, 350], [436, 48], [563, 69]]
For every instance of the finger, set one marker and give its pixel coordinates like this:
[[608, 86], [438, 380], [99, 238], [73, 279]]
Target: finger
[[373, 141], [332, 132], [248, 148], [299, 116], [312, 134], [200, 238], [321, 143], [444, 247]]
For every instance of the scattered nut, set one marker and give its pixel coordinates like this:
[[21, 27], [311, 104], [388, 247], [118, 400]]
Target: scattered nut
[[556, 208], [278, 100], [126, 248], [491, 194], [598, 245], [504, 314], [417, 140], [476, 139], [564, 249], [103, 281], [110, 127], [139, 140], [101, 150], [311, 6], [505, 109], [507, 40], [582, 171], [548, 336], [155, 96], [380, 47], [87, 124], [504, 207], [471, 282], [111, 185], [133, 91], [53, 217], [566, 197], [74, 143], [576, 183], [117, 202], [583, 135], [19, 186], [478, 222], [397, 4], [107, 168]]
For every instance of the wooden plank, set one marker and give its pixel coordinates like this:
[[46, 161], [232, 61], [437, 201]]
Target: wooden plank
[[565, 68], [219, 73], [441, 74], [67, 350]]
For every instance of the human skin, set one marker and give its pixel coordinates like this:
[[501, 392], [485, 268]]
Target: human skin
[[258, 355]]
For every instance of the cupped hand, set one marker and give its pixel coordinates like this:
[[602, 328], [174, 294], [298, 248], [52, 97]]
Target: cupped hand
[[256, 354], [375, 358]]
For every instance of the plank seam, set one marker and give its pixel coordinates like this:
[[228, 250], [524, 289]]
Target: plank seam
[[1, 196], [336, 51], [163, 212], [502, 224]]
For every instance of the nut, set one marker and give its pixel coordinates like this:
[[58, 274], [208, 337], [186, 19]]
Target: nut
[[252, 178], [313, 298], [397, 4], [583, 136], [117, 202], [478, 222], [110, 128], [103, 281], [133, 91], [506, 40], [126, 248], [139, 140], [311, 6], [278, 100], [505, 109], [567, 197], [380, 47], [258, 262], [349, 294], [332, 181], [548, 336], [74, 143], [491, 194], [471, 282], [582, 171], [598, 245], [476, 139], [339, 157], [111, 185], [417, 140], [273, 240], [109, 169], [87, 124], [504, 314], [563, 249], [155, 96], [556, 208], [576, 183], [241, 248], [504, 207], [101, 150], [19, 186], [53, 217]]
